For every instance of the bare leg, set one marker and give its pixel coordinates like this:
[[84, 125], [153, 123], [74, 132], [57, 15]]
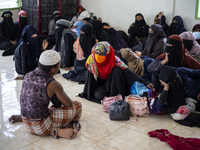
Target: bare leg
[[19, 78], [15, 118]]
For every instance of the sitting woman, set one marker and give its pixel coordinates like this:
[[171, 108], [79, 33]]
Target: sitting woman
[[138, 32], [156, 42], [180, 108], [174, 56], [8, 35], [161, 20], [121, 40], [28, 51], [100, 34], [77, 27], [171, 88], [191, 45], [134, 62], [177, 26], [190, 42], [191, 82], [65, 39], [137, 64], [111, 34], [107, 75], [21, 23], [82, 48], [196, 32]]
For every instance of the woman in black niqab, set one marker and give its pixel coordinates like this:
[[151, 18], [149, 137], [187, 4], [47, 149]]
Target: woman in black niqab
[[7, 31]]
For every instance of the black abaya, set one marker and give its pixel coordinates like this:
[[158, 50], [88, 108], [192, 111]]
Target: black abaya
[[79, 73], [118, 82]]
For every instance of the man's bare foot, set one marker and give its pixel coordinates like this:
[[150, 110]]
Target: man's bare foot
[[15, 118], [67, 133], [68, 69], [19, 78]]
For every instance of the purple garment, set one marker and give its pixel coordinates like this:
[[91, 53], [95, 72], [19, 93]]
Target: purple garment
[[190, 36], [156, 42], [34, 100], [121, 39]]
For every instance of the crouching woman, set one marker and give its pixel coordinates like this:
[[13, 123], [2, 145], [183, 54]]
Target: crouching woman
[[107, 75]]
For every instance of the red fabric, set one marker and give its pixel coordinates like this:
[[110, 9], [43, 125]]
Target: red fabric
[[187, 60], [106, 67], [176, 142]]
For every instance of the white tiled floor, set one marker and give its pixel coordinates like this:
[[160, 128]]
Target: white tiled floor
[[97, 133]]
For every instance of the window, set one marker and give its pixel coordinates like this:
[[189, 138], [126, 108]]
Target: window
[[197, 15], [10, 4]]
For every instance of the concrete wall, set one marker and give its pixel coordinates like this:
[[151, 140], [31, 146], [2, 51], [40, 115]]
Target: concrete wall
[[15, 14], [121, 13]]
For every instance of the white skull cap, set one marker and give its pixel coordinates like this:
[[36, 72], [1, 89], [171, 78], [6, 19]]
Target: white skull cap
[[49, 58]]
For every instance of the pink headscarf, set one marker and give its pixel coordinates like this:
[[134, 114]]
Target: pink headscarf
[[190, 36], [22, 12]]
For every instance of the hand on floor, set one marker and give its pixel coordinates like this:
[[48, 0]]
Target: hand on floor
[[15, 118]]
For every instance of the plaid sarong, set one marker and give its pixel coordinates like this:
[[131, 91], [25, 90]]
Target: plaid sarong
[[59, 118]]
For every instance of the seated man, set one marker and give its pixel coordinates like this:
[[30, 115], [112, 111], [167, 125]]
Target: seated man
[[38, 89]]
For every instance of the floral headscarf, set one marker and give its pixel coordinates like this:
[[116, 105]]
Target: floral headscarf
[[103, 70]]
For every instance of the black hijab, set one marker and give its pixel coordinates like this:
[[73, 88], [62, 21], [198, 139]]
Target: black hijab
[[58, 35], [140, 23], [139, 28], [87, 39], [121, 39], [8, 25], [176, 97], [23, 22], [97, 28], [62, 25], [177, 28], [34, 48]]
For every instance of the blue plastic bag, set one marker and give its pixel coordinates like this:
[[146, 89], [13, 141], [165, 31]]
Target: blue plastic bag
[[138, 88]]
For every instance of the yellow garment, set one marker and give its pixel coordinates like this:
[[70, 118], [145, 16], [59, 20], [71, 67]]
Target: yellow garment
[[100, 58]]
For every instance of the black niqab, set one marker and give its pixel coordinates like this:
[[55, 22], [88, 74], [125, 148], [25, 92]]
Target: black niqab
[[97, 28], [8, 25], [140, 23], [23, 22], [176, 97], [177, 28], [175, 53], [58, 35], [34, 48], [87, 39]]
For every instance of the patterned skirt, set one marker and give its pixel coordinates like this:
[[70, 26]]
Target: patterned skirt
[[59, 118]]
